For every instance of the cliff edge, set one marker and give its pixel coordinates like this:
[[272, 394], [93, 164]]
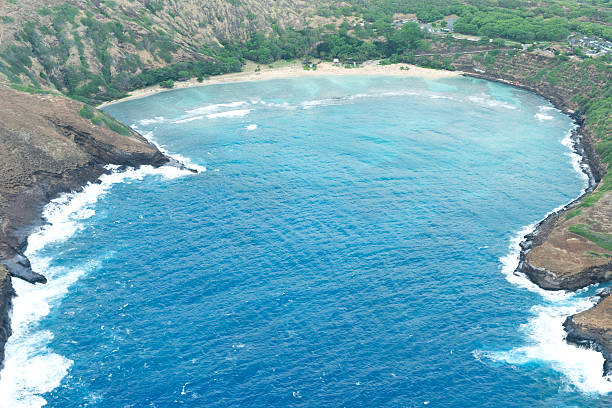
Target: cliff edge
[[47, 148]]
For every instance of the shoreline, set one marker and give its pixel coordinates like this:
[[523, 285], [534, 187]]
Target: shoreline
[[581, 143], [584, 146], [293, 70]]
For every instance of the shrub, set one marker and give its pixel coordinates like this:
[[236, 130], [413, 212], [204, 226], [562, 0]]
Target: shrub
[[87, 112], [115, 126], [167, 84]]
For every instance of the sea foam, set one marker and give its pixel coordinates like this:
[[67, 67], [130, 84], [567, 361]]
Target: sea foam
[[582, 368], [30, 367], [237, 113]]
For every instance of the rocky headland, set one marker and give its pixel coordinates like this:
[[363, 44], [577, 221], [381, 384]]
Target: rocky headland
[[48, 148], [571, 248]]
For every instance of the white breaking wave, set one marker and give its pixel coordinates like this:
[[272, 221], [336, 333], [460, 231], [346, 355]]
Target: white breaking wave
[[487, 100], [582, 368], [179, 158], [30, 367], [210, 111], [251, 127], [229, 114], [576, 160], [157, 119], [204, 110], [282, 105], [542, 115], [386, 94], [188, 119]]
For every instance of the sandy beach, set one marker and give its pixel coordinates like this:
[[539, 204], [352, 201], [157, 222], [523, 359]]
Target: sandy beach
[[294, 70]]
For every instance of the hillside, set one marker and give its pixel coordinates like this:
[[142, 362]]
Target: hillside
[[98, 48]]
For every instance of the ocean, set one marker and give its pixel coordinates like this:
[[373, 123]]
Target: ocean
[[347, 241]]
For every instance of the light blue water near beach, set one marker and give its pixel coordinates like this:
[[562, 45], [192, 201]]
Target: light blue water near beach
[[350, 244]]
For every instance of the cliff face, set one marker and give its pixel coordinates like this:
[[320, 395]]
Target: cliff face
[[6, 292], [570, 249], [47, 148], [593, 328]]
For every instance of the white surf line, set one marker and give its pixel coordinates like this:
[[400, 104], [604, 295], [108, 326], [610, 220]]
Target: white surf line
[[30, 367], [582, 368]]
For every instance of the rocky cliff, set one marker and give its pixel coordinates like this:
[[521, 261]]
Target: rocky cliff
[[571, 248], [46, 148]]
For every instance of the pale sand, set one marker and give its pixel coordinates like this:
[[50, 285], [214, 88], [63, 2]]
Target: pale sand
[[295, 70]]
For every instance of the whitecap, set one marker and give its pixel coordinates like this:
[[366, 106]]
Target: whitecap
[[543, 112], [204, 110], [188, 119], [251, 127], [582, 368], [169, 173], [323, 102], [157, 119], [229, 114], [281, 105], [487, 100], [543, 116], [577, 163]]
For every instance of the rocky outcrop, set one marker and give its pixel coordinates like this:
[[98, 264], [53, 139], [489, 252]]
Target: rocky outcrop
[[593, 328], [47, 148], [6, 293], [554, 257]]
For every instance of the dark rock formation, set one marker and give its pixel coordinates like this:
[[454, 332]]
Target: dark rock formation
[[593, 328], [6, 293]]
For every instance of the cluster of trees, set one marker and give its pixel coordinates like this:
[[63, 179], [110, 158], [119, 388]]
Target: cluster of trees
[[509, 24], [520, 20], [283, 44], [290, 44]]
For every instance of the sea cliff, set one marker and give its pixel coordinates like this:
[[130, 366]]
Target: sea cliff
[[48, 148], [556, 255]]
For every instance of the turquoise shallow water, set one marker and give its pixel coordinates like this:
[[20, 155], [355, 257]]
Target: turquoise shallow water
[[348, 245]]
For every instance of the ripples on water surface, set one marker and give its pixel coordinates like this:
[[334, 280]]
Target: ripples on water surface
[[345, 247]]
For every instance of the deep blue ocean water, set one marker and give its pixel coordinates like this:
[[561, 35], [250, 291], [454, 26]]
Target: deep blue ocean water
[[347, 245]]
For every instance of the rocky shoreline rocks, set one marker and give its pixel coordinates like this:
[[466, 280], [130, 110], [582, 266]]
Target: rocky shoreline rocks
[[555, 259], [47, 148], [593, 329]]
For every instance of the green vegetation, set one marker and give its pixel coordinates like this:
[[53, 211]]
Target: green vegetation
[[168, 83], [573, 213], [595, 254], [114, 125], [600, 238], [87, 112], [32, 89]]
